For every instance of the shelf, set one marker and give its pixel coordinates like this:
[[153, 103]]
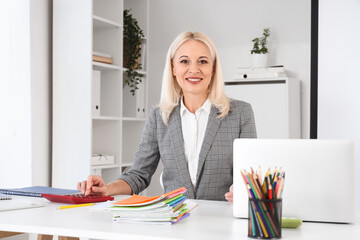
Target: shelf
[[100, 22], [105, 67], [105, 166], [141, 71], [106, 118], [133, 119]]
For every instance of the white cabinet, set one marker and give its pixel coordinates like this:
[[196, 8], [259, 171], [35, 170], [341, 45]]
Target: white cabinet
[[275, 102], [80, 28]]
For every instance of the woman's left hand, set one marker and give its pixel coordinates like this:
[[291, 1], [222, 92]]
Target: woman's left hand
[[229, 195]]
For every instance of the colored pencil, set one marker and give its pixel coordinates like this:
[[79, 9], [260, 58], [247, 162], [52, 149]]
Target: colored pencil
[[262, 206], [263, 223]]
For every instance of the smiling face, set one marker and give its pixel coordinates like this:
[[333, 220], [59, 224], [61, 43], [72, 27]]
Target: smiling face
[[192, 66]]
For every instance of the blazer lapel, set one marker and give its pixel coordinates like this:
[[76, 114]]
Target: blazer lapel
[[178, 147], [210, 133]]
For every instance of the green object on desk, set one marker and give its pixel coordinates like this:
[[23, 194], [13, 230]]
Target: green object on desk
[[291, 222]]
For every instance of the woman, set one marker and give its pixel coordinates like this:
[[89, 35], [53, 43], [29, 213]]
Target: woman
[[191, 131]]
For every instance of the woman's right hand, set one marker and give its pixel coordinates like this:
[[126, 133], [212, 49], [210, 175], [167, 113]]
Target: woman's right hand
[[94, 185]]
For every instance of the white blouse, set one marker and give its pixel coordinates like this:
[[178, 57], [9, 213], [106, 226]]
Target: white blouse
[[193, 130]]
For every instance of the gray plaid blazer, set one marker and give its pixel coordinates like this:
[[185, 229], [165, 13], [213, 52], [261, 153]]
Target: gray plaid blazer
[[215, 170]]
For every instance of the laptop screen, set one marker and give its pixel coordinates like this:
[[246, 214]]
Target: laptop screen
[[319, 184]]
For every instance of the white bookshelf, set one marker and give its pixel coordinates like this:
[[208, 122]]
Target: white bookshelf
[[79, 28]]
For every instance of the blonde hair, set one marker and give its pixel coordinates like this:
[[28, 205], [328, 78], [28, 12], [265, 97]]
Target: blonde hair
[[171, 91]]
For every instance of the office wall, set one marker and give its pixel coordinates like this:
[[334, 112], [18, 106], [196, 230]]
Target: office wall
[[25, 93], [338, 79], [232, 24]]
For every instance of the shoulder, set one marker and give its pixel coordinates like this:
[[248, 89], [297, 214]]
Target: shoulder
[[154, 111], [238, 106], [156, 117]]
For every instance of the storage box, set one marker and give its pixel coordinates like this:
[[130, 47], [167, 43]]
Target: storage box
[[102, 159]]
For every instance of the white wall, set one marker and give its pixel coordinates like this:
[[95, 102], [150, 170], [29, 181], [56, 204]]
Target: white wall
[[15, 143], [232, 24], [338, 79], [24, 93]]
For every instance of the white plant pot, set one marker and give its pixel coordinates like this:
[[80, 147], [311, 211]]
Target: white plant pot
[[259, 60]]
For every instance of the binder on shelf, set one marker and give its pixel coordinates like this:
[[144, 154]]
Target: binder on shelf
[[95, 93], [140, 100]]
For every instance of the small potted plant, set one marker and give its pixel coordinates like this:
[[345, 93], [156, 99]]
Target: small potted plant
[[132, 51], [260, 51]]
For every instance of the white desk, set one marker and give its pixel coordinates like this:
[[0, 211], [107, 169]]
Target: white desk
[[210, 220]]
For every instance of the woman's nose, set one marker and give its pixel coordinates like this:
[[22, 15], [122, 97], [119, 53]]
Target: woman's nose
[[194, 68]]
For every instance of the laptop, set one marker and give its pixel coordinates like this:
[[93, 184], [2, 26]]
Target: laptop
[[319, 176]]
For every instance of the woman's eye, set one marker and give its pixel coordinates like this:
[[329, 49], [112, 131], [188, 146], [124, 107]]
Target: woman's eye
[[184, 61], [203, 62]]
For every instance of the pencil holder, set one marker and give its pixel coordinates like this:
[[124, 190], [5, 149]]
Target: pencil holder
[[265, 218]]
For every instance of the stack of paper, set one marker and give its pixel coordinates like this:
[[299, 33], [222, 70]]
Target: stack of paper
[[102, 57], [168, 208], [268, 72]]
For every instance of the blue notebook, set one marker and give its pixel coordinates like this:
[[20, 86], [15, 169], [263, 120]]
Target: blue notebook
[[36, 191]]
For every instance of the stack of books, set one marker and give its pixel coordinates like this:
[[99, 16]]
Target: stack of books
[[168, 208], [102, 57], [256, 73]]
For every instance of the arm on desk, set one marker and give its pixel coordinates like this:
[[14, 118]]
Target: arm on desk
[[96, 185]]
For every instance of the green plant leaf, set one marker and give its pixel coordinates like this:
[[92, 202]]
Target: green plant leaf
[[132, 50], [260, 44]]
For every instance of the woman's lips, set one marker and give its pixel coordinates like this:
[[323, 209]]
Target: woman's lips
[[193, 80]]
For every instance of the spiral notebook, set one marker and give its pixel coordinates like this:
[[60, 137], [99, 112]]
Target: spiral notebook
[[5, 197]]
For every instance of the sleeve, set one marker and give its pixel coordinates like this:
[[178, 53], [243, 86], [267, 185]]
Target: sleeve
[[146, 157], [248, 128]]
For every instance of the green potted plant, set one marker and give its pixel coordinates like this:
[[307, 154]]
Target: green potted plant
[[260, 50], [132, 51]]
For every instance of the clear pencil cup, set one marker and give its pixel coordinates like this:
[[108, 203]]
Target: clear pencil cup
[[265, 217]]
